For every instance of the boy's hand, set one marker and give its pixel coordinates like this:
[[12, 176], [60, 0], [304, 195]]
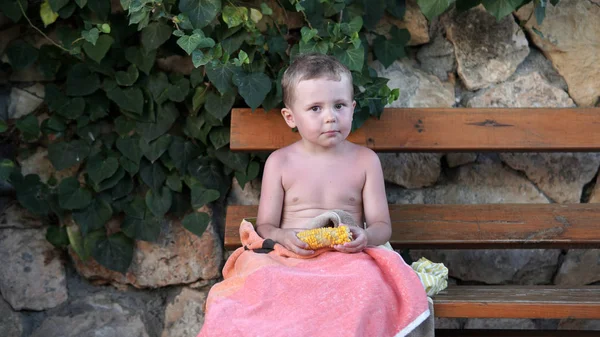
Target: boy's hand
[[358, 244], [289, 239]]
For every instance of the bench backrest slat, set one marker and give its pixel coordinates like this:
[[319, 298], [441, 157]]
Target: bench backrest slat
[[475, 226], [441, 130]]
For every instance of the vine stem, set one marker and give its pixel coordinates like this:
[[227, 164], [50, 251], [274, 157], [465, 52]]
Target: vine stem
[[39, 31]]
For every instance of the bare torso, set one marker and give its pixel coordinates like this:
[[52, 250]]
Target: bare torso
[[316, 184]]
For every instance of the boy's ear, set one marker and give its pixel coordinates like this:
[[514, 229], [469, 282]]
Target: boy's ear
[[353, 105], [288, 117]]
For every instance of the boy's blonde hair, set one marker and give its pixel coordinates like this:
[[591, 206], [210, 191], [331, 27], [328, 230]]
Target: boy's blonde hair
[[312, 66]]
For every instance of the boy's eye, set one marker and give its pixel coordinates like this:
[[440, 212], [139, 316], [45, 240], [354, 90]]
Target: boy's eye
[[315, 108], [339, 106]]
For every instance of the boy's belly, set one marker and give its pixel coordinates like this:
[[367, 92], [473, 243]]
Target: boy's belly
[[298, 216]]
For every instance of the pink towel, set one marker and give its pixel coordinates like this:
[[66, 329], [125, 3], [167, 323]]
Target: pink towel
[[278, 293]]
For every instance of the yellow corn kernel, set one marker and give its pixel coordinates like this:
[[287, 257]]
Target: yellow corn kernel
[[325, 237]]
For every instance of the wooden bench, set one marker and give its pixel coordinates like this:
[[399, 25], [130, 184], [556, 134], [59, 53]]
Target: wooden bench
[[482, 226]]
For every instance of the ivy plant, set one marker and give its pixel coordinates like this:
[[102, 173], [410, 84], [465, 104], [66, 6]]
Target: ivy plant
[[145, 145]]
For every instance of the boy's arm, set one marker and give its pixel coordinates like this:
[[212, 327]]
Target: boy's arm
[[376, 211], [271, 199]]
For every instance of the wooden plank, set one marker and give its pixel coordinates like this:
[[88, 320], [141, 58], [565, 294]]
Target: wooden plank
[[475, 226], [518, 302], [441, 129], [513, 333]]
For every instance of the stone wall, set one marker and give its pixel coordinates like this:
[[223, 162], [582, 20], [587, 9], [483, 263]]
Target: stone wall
[[458, 60]]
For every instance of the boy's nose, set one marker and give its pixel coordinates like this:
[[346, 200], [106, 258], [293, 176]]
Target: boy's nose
[[330, 116]]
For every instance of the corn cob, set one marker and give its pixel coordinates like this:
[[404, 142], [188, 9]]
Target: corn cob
[[325, 237]]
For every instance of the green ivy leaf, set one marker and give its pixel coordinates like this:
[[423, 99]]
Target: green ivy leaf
[[155, 34], [123, 188], [153, 174], [114, 252], [153, 150], [110, 182], [234, 16], [73, 109], [67, 11], [196, 222], [354, 26], [199, 58], [501, 8], [250, 174], [3, 126], [12, 9], [179, 90], [388, 51], [220, 75], [124, 126], [159, 87], [193, 127], [182, 152], [235, 160], [129, 166], [97, 106], [128, 99], [353, 58], [56, 5], [127, 78], [97, 51], [209, 173], [21, 54], [66, 154], [101, 8], [219, 137], [81, 81], [199, 98], [202, 196], [433, 8], [144, 61], [374, 10], [81, 3], [130, 148], [139, 222], [47, 14], [31, 192], [91, 35], [6, 168], [219, 106], [265, 9], [200, 12], [396, 7], [159, 203], [57, 236], [191, 42], [71, 196], [99, 167], [29, 127], [167, 115], [253, 87], [146, 229], [93, 217], [174, 182]]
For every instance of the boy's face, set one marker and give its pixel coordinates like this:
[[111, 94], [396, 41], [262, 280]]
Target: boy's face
[[322, 110]]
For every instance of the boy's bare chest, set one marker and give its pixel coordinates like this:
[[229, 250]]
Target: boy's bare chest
[[333, 185]]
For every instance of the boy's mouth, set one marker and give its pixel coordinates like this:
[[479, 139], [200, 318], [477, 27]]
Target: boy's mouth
[[330, 132]]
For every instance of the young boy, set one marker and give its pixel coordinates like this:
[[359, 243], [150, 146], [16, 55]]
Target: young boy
[[322, 171]]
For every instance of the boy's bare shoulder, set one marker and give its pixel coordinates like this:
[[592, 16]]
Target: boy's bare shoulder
[[279, 157], [364, 153]]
